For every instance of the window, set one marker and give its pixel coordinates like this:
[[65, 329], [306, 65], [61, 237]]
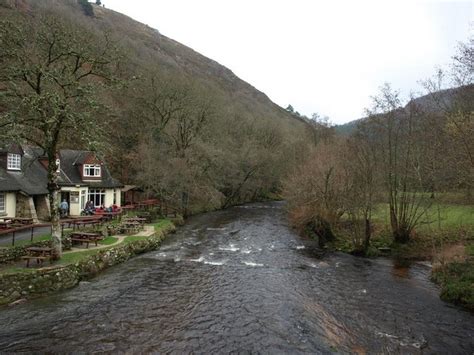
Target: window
[[83, 199], [2, 203], [97, 197], [91, 170], [14, 162]]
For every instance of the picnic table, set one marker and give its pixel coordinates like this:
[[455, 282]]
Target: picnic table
[[5, 224], [38, 253], [108, 216], [22, 221], [145, 215], [140, 220], [131, 226], [80, 223], [86, 237]]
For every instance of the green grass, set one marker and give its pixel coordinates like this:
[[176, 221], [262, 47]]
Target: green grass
[[40, 238], [75, 257], [441, 216], [162, 223], [132, 239], [470, 250], [109, 241], [15, 270], [457, 280]]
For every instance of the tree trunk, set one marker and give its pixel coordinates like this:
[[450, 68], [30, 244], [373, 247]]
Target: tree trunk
[[53, 188], [367, 235], [56, 232], [323, 230], [401, 236]]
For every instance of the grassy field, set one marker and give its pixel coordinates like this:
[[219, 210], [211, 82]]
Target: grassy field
[[446, 237], [438, 216]]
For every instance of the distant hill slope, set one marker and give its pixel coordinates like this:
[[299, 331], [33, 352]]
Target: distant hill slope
[[147, 47], [430, 103]]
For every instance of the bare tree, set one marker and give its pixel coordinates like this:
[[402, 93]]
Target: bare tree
[[51, 72], [362, 165], [395, 128]]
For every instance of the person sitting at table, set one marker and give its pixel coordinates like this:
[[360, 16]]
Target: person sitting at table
[[100, 210], [89, 208]]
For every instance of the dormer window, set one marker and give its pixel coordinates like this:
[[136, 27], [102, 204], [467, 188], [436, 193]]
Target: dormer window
[[14, 162], [91, 170]]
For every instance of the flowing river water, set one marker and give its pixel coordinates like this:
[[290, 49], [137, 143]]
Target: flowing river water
[[241, 280]]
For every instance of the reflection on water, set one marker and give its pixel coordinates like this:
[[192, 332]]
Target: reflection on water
[[240, 280]]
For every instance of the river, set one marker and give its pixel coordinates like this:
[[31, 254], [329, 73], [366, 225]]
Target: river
[[240, 280]]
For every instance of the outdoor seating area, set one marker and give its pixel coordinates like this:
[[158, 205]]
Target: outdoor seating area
[[129, 225], [86, 238], [40, 254], [145, 204]]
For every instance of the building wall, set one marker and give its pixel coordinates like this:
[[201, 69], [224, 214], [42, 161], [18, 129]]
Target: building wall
[[79, 197], [25, 207], [109, 197], [119, 197], [74, 200], [42, 207], [10, 205]]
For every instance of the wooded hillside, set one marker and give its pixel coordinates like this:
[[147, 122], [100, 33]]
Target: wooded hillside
[[168, 118]]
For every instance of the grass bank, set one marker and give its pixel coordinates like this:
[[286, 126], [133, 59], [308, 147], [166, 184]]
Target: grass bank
[[445, 237]]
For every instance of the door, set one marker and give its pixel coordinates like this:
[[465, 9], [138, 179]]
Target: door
[[65, 195]]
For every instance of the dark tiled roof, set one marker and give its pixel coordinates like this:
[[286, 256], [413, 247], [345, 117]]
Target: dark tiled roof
[[70, 175], [33, 178]]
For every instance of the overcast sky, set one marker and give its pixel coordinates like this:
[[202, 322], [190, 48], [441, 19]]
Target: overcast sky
[[327, 56]]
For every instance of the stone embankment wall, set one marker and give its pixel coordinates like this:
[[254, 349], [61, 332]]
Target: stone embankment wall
[[30, 283]]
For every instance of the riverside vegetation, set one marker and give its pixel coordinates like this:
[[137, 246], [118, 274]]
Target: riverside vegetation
[[193, 134], [401, 181]]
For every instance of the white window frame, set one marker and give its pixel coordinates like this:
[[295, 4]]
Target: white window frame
[[83, 199], [3, 202], [13, 161], [95, 168], [91, 196]]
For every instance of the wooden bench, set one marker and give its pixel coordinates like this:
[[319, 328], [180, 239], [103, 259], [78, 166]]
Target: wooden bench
[[22, 221], [40, 254], [39, 259], [83, 237], [131, 226], [84, 223]]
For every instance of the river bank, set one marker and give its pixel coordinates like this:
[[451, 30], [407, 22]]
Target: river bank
[[17, 284], [449, 250]]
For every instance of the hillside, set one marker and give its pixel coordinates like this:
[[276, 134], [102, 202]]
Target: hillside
[[432, 103], [221, 141]]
